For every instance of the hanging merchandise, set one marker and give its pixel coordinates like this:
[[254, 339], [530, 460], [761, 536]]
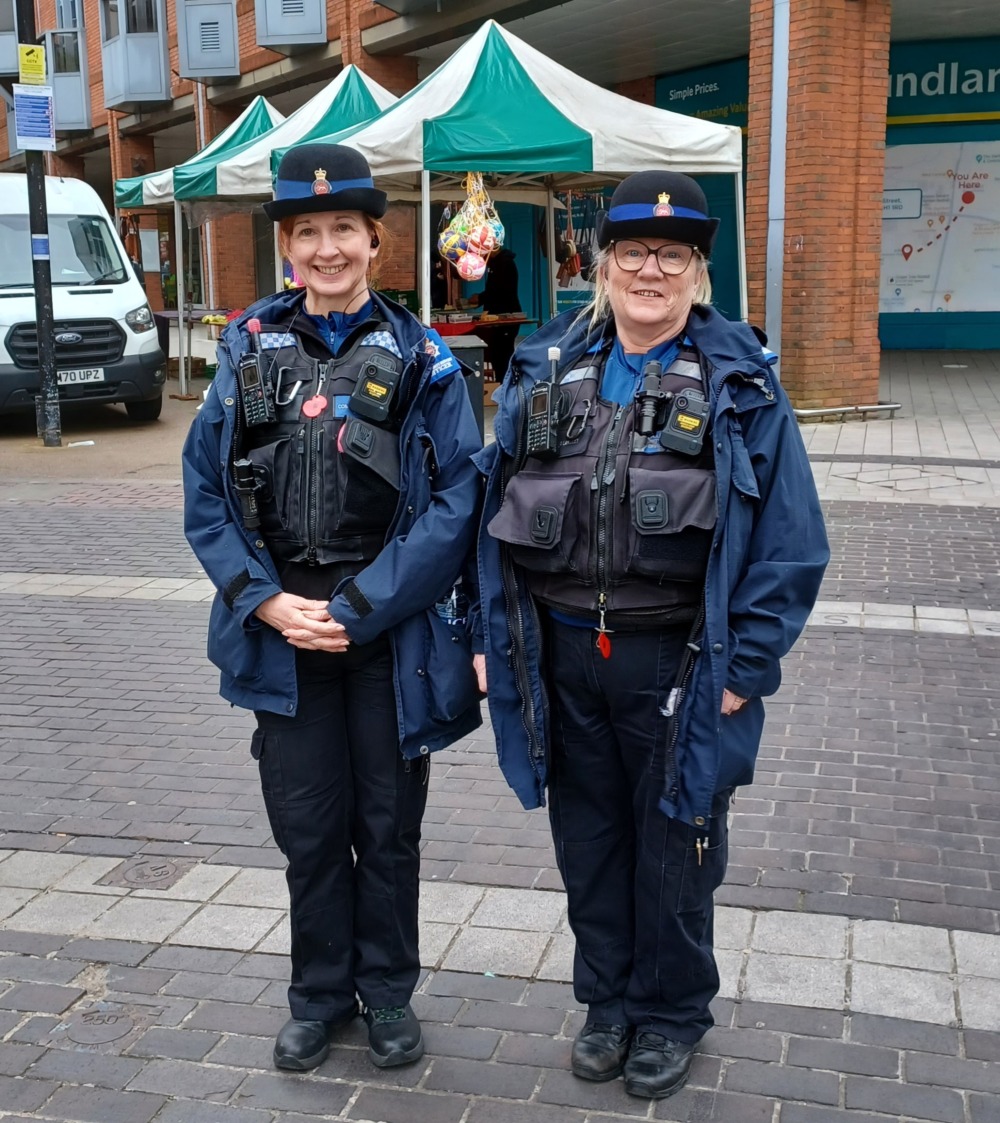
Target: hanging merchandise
[[474, 233], [571, 266]]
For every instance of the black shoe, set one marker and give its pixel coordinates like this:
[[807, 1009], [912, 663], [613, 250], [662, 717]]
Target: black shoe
[[599, 1051], [302, 1045], [656, 1066], [394, 1036]]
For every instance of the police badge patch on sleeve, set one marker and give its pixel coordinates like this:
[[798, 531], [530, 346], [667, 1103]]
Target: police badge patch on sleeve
[[445, 362]]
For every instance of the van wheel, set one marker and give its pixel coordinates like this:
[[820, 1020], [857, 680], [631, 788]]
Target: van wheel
[[144, 411]]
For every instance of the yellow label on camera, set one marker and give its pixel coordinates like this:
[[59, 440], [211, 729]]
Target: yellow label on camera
[[687, 422], [376, 390]]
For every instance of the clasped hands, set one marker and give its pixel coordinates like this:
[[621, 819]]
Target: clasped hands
[[304, 623]]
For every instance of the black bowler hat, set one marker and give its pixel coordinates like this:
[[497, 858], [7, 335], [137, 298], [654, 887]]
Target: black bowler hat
[[658, 204], [324, 177]]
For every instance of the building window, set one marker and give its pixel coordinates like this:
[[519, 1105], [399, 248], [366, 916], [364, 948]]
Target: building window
[[7, 22], [141, 16], [67, 13], [111, 28], [65, 52]]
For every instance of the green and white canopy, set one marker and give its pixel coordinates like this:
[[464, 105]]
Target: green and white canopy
[[245, 172], [157, 188], [500, 105]]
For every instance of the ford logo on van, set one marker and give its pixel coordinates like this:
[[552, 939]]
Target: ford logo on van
[[69, 337]]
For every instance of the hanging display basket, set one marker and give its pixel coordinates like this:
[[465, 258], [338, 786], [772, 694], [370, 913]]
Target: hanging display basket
[[474, 233]]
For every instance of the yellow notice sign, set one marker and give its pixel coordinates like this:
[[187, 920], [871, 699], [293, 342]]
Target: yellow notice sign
[[31, 64]]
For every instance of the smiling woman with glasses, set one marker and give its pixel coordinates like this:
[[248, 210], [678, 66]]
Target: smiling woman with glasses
[[651, 546]]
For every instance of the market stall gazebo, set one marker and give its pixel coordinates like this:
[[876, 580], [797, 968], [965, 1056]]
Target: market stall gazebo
[[500, 106]]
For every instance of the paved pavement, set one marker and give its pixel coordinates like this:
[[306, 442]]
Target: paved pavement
[[142, 927]]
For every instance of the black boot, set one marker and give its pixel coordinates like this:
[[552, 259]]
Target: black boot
[[394, 1036], [302, 1045], [657, 1066], [599, 1051]]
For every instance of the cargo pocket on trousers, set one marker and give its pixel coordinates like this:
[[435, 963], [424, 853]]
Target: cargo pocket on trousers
[[270, 783], [539, 521], [705, 859]]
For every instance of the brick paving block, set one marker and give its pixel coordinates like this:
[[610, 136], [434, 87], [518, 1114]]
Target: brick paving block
[[227, 1017], [260, 966], [138, 980], [195, 1081], [455, 1041], [950, 1072], [448, 902], [35, 1030], [33, 969], [189, 1111], [176, 1044], [520, 1019], [461, 985], [514, 877], [63, 913], [128, 953], [864, 1060], [694, 1105], [516, 909], [509, 1081], [244, 1052], [753, 1044], [796, 980], [566, 1090], [353, 1066], [194, 959], [229, 988], [98, 1105], [982, 1109], [435, 1008], [493, 1111], [42, 998], [15, 1059], [800, 1113], [293, 1093], [8, 1020], [902, 945], [524, 1049], [31, 943], [782, 1082], [895, 1033], [265, 857], [979, 1046], [392, 1106], [71, 1067], [28, 1095], [978, 954], [939, 1104]]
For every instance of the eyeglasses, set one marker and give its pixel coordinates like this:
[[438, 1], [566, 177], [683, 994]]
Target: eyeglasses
[[672, 259]]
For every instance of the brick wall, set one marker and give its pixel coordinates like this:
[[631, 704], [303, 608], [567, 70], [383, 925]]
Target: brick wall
[[838, 67], [758, 155], [639, 89]]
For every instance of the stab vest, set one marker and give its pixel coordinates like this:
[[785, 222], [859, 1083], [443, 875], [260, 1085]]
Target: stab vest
[[603, 525], [327, 486]]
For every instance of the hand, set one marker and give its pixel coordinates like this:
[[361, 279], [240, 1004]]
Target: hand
[[479, 666], [732, 703], [304, 623]]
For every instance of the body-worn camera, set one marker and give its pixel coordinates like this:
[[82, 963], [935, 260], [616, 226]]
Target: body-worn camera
[[375, 389], [255, 392], [543, 421], [686, 425]]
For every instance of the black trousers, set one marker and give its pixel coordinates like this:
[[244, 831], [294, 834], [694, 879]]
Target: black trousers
[[638, 885], [345, 810]]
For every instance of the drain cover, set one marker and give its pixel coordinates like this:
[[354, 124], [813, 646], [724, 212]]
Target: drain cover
[[101, 1027], [148, 873]]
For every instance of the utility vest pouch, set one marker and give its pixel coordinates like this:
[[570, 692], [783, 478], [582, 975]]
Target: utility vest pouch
[[377, 449], [536, 520]]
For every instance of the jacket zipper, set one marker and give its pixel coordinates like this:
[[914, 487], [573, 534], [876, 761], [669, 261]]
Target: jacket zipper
[[604, 477], [313, 444], [515, 618]]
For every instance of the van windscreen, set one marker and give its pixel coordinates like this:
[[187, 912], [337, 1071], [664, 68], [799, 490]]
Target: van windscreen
[[82, 248]]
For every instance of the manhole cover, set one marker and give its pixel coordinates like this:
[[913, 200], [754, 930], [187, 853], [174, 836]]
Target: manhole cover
[[148, 873], [97, 1027], [101, 1027]]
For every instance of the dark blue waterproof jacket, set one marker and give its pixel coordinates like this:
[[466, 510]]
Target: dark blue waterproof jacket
[[436, 696], [766, 564]]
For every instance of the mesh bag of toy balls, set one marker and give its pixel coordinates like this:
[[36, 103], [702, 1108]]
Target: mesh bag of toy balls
[[474, 233]]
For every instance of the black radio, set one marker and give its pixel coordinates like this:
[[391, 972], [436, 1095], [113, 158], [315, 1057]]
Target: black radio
[[543, 414], [255, 390]]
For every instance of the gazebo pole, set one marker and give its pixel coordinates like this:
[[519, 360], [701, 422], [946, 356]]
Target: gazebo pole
[[425, 246], [181, 294], [279, 273], [550, 245], [741, 244]]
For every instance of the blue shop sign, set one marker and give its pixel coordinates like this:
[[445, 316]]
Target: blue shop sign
[[947, 80]]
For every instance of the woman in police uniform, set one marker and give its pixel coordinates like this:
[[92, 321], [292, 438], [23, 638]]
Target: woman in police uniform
[[651, 547], [329, 496]]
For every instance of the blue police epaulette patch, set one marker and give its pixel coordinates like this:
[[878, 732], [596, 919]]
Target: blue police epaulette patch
[[444, 362], [384, 339]]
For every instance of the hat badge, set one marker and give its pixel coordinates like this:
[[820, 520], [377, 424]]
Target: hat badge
[[662, 209], [321, 185]]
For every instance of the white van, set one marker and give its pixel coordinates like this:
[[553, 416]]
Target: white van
[[105, 336]]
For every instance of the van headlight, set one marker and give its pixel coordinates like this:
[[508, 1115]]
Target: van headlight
[[140, 319]]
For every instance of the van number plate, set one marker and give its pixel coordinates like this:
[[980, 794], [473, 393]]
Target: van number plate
[[75, 377]]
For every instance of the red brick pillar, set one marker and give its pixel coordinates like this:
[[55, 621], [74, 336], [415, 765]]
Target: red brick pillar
[[639, 89], [758, 155], [70, 166], [837, 87]]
